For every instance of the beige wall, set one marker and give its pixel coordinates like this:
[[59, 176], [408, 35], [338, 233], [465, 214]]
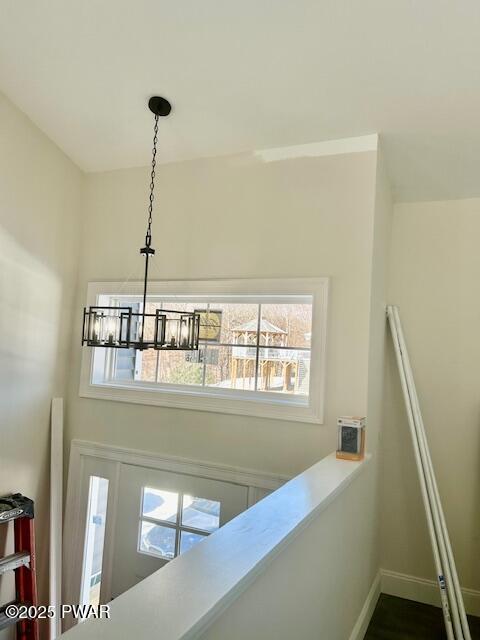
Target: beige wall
[[238, 217], [435, 275], [39, 230]]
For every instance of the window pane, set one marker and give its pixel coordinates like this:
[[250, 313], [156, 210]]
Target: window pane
[[152, 305], [288, 325], [284, 371], [94, 540], [189, 540], [125, 364], [179, 306], [160, 504], [157, 540], [136, 365], [211, 322], [200, 513], [229, 323], [180, 367], [230, 367], [146, 365]]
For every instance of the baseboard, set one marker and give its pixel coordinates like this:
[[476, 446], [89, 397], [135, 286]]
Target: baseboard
[[423, 590], [361, 626]]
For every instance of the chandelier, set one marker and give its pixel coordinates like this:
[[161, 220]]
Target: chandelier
[[120, 327]]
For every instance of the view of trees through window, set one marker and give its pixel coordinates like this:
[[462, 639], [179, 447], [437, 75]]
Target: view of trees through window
[[246, 346]]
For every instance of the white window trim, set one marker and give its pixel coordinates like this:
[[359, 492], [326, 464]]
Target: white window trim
[[260, 407]]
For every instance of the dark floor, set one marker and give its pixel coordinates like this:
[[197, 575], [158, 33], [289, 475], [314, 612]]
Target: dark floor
[[399, 619]]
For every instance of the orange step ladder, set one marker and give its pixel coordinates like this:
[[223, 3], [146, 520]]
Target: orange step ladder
[[20, 509]]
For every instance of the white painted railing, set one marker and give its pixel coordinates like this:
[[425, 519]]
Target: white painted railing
[[196, 592]]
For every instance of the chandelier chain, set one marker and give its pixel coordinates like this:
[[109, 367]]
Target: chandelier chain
[[148, 239]]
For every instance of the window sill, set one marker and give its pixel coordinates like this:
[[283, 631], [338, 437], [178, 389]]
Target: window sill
[[284, 409]]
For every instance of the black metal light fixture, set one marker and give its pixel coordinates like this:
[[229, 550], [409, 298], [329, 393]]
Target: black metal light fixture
[[122, 328]]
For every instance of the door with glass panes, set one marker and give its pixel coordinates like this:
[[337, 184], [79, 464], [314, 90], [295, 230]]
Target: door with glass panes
[[161, 515]]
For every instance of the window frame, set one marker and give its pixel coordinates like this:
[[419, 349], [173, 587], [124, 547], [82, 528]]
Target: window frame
[[260, 404]]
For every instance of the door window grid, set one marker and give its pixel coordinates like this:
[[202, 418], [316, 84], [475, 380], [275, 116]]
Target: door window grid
[[174, 525]]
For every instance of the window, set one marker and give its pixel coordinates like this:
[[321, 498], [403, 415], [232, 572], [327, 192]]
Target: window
[[172, 523], [261, 349], [94, 540]]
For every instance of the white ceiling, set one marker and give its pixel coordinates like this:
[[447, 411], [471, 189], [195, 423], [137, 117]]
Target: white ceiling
[[253, 74]]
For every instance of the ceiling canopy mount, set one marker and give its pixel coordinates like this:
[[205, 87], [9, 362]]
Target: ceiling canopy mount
[[159, 106]]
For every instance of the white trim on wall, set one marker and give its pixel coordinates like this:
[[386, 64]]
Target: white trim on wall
[[258, 483], [269, 406], [176, 464], [56, 513], [424, 590], [363, 620]]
